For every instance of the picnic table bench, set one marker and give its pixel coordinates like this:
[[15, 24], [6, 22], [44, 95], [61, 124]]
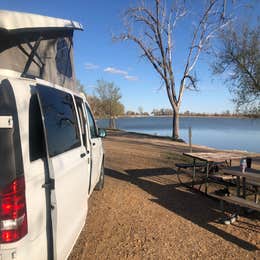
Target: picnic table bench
[[250, 177], [237, 201]]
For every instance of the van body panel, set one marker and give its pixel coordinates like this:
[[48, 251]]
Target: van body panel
[[72, 174], [70, 169], [34, 178], [70, 205]]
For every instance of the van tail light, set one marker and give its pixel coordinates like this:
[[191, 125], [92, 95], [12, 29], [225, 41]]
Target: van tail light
[[13, 216]]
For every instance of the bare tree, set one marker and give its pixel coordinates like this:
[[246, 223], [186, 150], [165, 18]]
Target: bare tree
[[239, 55], [151, 28]]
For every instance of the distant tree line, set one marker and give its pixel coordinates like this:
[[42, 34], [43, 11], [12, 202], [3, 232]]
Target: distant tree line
[[252, 113], [162, 112], [133, 113], [226, 113]]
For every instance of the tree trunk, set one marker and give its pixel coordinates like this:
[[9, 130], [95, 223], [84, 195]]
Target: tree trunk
[[112, 122], [175, 125]]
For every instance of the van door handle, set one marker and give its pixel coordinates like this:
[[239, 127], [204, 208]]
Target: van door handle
[[82, 155], [49, 185]]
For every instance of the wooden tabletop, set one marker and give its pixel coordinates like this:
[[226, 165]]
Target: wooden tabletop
[[220, 156]]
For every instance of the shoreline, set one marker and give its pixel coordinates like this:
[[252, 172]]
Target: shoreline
[[191, 116], [178, 141]]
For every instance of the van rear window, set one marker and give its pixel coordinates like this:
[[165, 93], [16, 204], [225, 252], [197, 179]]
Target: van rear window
[[60, 120], [36, 135], [11, 163]]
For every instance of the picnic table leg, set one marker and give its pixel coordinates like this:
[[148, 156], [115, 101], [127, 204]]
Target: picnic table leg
[[238, 186], [244, 187], [207, 176], [221, 204], [256, 194], [194, 172]]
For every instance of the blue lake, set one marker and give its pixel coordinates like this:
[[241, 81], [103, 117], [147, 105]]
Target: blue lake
[[220, 133]]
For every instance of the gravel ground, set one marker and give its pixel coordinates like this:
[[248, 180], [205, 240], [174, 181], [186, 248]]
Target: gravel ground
[[144, 213]]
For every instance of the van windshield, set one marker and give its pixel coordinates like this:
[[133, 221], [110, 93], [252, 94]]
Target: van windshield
[[10, 144]]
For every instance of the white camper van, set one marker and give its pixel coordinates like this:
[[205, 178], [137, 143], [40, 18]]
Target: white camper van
[[51, 155]]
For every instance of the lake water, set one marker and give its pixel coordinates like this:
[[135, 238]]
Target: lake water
[[220, 133]]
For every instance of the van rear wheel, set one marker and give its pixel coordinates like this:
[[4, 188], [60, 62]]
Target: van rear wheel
[[100, 184]]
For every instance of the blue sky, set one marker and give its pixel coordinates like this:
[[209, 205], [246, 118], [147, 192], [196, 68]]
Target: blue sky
[[98, 57]]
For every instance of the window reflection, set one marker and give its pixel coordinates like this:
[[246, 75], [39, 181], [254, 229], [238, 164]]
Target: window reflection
[[60, 120]]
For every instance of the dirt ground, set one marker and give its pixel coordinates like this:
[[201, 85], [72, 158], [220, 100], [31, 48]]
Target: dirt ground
[[144, 213]]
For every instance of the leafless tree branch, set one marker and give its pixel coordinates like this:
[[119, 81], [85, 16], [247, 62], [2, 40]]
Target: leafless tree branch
[[155, 39]]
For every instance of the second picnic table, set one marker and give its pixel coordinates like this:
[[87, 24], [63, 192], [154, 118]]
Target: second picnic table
[[211, 158]]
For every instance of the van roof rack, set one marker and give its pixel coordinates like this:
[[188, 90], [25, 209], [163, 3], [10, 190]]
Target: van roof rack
[[17, 21]]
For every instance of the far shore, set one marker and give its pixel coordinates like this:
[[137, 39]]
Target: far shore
[[195, 116]]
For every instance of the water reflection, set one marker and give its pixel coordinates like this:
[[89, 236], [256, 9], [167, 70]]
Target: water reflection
[[221, 133]]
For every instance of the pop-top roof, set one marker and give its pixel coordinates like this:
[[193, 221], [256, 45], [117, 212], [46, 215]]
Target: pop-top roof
[[12, 21]]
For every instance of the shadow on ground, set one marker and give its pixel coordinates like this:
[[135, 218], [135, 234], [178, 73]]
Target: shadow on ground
[[192, 206]]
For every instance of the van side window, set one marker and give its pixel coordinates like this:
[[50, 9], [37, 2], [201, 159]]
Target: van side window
[[60, 120], [79, 103], [92, 125], [36, 136]]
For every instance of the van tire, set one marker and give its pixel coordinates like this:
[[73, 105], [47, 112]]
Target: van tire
[[100, 184]]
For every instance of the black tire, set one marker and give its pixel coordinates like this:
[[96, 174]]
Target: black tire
[[100, 184]]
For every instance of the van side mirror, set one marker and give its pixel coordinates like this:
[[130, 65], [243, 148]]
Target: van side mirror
[[101, 132]]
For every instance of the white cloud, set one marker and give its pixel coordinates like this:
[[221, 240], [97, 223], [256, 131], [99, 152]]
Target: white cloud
[[115, 71], [91, 66], [131, 78], [120, 72]]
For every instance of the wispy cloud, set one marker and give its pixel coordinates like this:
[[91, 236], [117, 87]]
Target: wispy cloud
[[116, 71], [91, 66], [123, 73], [131, 78]]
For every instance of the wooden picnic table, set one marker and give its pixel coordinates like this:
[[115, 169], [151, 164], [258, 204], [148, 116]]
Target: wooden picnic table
[[251, 177], [216, 157], [220, 156]]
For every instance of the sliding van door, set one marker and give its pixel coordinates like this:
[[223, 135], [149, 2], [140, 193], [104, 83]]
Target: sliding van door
[[69, 167]]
